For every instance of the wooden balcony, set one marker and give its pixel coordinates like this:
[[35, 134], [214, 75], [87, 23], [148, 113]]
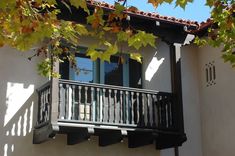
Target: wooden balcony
[[110, 112]]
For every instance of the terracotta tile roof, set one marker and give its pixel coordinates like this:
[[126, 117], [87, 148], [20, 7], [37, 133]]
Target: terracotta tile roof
[[156, 16], [149, 15]]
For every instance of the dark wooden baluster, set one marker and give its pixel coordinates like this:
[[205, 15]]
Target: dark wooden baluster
[[167, 111], [121, 107], [41, 107], [103, 105], [73, 102], [98, 104], [158, 111], [67, 102], [149, 110], [146, 109], [137, 108], [85, 103], [92, 105], [154, 110], [62, 102], [109, 105], [163, 106], [127, 106], [143, 110], [170, 111], [115, 107], [132, 108], [46, 106], [79, 102]]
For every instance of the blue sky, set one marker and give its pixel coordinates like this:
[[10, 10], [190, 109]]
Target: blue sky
[[194, 11]]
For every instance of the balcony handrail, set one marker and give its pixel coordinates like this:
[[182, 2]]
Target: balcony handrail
[[105, 86], [47, 84]]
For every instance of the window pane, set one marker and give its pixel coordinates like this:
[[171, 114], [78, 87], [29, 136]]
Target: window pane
[[113, 72], [85, 70]]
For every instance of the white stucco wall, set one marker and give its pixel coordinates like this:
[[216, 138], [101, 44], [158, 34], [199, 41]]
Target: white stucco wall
[[18, 110], [156, 67], [217, 105], [191, 107]]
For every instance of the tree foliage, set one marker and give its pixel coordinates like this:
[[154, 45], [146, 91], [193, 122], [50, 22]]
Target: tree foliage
[[222, 32], [25, 24]]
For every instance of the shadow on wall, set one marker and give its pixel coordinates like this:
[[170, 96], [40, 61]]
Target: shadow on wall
[[16, 117]]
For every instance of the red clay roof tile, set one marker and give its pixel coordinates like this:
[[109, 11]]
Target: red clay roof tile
[[154, 16]]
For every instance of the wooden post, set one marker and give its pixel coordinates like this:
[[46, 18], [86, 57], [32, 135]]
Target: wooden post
[[54, 94], [176, 85]]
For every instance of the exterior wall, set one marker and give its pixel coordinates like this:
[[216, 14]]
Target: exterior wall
[[191, 107], [217, 105], [18, 110], [156, 68]]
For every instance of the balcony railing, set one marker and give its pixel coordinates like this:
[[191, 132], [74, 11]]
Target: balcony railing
[[99, 104], [44, 105]]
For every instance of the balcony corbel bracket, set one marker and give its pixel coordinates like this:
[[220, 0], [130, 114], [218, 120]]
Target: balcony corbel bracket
[[42, 134], [77, 136], [139, 138], [108, 137]]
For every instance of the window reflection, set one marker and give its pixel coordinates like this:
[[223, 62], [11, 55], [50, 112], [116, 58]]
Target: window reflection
[[113, 72], [84, 72]]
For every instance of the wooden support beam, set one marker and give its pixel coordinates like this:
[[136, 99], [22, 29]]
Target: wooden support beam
[[166, 140], [175, 61], [108, 136], [139, 138], [77, 135], [42, 134]]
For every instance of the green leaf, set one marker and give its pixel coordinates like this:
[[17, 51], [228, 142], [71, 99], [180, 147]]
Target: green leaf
[[51, 2], [210, 2], [183, 3], [93, 54], [142, 39], [81, 4], [112, 49], [136, 56], [4, 4], [122, 36], [118, 8], [81, 29], [107, 28]]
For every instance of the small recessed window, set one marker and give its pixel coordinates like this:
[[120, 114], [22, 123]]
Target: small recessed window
[[210, 72]]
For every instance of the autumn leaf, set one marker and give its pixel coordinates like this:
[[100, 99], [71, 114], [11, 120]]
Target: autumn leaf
[[156, 3], [183, 3], [96, 19], [132, 9], [81, 4], [118, 8], [1, 43]]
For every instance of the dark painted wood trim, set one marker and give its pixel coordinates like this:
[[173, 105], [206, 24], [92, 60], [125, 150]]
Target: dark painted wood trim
[[139, 138], [42, 134], [108, 136], [176, 84], [77, 135]]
